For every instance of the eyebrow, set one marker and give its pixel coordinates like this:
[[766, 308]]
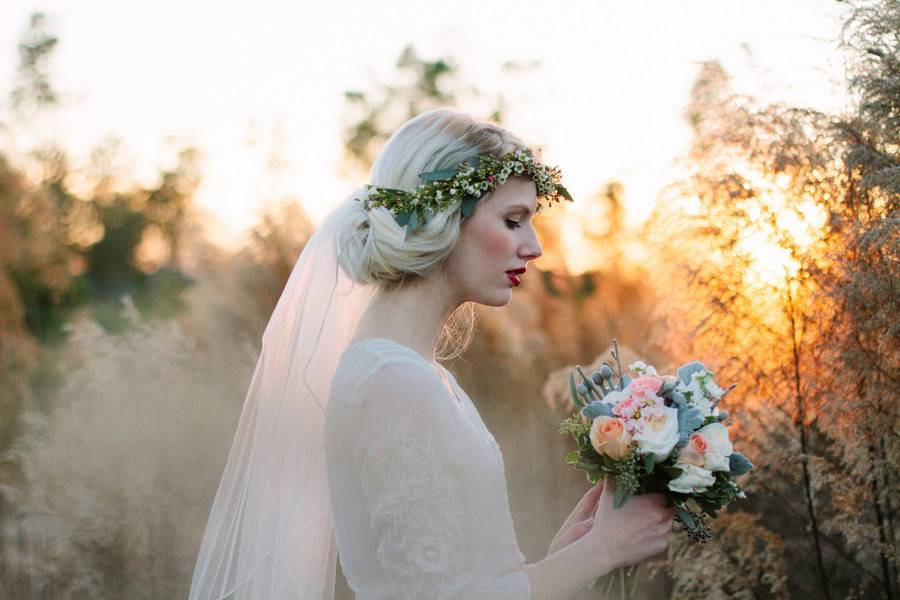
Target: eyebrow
[[522, 207]]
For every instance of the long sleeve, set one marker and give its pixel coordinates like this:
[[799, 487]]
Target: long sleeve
[[413, 476]]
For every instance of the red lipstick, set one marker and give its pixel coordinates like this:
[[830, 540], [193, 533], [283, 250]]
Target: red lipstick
[[511, 274]]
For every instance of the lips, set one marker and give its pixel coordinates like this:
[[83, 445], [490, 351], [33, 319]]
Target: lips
[[511, 275]]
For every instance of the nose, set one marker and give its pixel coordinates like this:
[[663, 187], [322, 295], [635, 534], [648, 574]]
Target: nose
[[532, 250]]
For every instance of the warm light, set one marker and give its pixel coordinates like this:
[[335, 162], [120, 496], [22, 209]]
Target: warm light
[[772, 264], [153, 251], [576, 252], [777, 232]]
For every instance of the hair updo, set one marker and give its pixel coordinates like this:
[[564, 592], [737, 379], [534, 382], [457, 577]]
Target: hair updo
[[373, 248]]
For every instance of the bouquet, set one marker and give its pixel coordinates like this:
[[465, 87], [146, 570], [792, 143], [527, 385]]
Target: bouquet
[[655, 433]]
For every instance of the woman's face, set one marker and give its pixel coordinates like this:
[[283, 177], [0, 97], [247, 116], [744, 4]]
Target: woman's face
[[498, 237]]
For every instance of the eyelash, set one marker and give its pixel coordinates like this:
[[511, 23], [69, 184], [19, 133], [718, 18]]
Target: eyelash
[[514, 224]]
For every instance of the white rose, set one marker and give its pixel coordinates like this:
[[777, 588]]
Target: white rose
[[692, 479], [660, 432], [718, 448]]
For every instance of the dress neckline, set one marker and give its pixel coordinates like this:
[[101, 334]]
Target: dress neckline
[[442, 371]]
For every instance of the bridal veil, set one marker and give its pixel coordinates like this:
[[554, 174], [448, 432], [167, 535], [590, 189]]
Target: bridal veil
[[269, 534]]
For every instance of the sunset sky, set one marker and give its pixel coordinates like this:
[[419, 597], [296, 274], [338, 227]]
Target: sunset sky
[[244, 80]]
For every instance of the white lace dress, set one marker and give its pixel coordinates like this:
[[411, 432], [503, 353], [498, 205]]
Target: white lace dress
[[417, 483]]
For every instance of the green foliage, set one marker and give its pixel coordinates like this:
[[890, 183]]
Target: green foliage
[[575, 426], [378, 113], [34, 91]]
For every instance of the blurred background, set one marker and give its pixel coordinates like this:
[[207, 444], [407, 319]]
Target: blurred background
[[736, 174]]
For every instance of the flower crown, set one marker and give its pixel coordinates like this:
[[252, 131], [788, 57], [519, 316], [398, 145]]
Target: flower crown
[[466, 184]]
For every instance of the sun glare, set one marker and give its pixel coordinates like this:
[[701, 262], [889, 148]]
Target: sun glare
[[779, 230]]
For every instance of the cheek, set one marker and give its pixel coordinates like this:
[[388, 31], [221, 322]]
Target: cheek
[[496, 242]]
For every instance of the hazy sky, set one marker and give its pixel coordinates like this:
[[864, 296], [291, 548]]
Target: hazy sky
[[606, 101]]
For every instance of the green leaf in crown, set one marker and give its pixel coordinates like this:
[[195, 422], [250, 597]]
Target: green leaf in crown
[[463, 186]]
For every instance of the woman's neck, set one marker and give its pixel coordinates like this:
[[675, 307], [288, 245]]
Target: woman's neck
[[414, 315]]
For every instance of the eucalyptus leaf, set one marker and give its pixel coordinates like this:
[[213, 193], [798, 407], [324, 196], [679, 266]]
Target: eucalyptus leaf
[[468, 205], [689, 420], [403, 218], [738, 464], [438, 175], [685, 371], [413, 223], [649, 463], [572, 457], [597, 408], [685, 517]]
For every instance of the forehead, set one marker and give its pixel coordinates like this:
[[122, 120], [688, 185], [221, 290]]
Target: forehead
[[517, 193]]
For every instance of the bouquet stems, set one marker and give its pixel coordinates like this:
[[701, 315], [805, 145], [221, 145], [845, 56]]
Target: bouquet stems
[[618, 584]]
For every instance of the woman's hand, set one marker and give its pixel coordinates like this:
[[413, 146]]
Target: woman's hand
[[631, 533], [579, 522]]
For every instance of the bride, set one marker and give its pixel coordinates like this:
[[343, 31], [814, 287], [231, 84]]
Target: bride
[[354, 442]]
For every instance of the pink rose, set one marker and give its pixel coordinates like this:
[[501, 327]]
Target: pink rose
[[644, 386]]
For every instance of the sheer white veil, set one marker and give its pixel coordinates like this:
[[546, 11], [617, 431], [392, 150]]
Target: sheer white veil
[[269, 534]]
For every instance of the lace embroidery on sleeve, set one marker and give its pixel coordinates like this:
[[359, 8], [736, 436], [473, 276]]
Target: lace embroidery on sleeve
[[414, 480], [417, 518]]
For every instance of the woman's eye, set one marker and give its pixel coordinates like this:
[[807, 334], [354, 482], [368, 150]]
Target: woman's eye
[[512, 224]]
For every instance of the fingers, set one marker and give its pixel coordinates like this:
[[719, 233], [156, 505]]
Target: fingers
[[571, 533], [586, 506], [605, 503], [587, 502]]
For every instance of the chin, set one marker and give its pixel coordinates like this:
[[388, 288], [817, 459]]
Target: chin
[[499, 299]]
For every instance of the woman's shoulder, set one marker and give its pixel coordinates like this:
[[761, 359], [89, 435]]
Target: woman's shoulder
[[384, 362]]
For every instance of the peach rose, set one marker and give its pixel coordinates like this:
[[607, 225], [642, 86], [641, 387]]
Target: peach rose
[[694, 451], [608, 436]]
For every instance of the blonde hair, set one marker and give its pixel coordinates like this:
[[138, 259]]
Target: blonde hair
[[373, 248]]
